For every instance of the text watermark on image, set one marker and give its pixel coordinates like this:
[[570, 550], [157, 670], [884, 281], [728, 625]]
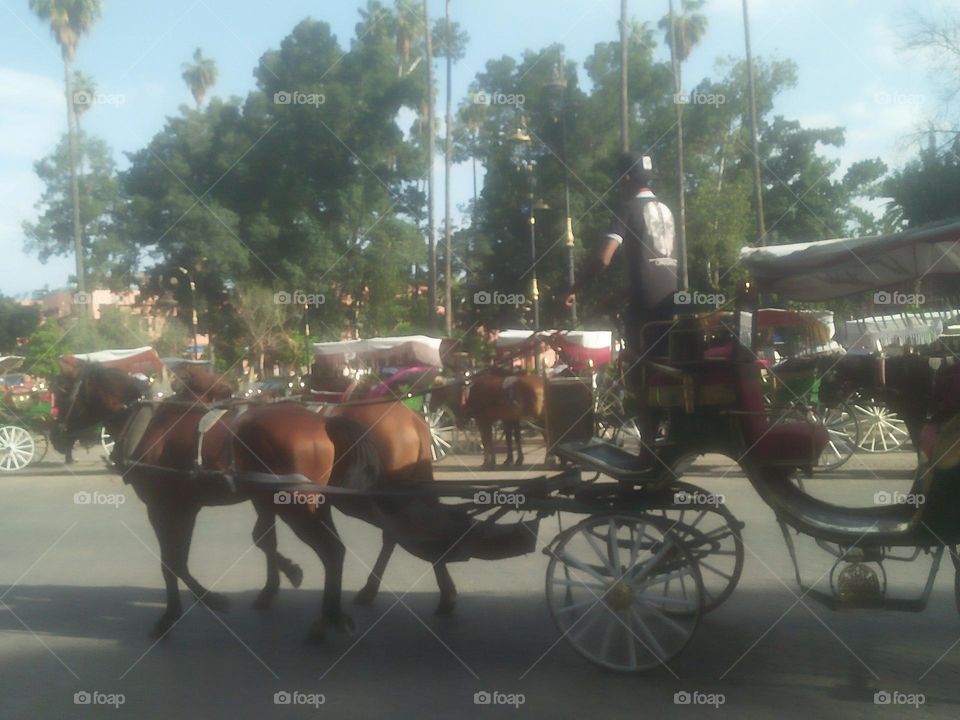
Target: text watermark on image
[[296, 697], [89, 99], [883, 297], [885, 497], [83, 497], [495, 697], [295, 97], [699, 98], [95, 697], [895, 697], [496, 497], [695, 297], [288, 497], [299, 297], [695, 697], [885, 97], [498, 98], [81, 298], [484, 297], [683, 497]]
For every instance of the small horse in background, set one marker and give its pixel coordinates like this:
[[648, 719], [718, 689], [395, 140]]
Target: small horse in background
[[489, 397]]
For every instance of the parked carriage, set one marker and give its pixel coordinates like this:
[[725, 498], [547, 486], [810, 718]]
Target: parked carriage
[[25, 420]]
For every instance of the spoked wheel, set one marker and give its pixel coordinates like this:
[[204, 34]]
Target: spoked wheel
[[17, 448], [882, 430], [615, 424], [442, 431], [624, 591], [711, 533], [107, 442], [843, 434], [41, 444]]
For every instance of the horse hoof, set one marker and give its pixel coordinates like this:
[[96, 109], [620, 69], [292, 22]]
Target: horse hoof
[[446, 607], [344, 624], [216, 602], [294, 574], [519, 461], [264, 599], [366, 595], [489, 464], [163, 626], [508, 461]]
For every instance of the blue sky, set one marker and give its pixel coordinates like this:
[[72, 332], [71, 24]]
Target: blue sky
[[852, 72]]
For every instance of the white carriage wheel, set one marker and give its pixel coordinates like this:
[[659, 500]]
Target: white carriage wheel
[[107, 442], [624, 591], [443, 431], [881, 429], [843, 434], [16, 448]]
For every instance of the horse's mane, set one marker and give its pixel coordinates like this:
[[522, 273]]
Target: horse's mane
[[198, 383]]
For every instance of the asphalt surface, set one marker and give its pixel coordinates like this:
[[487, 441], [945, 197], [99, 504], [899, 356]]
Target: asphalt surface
[[80, 588]]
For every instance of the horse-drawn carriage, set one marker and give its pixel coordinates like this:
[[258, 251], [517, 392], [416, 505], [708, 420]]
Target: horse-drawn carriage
[[25, 420]]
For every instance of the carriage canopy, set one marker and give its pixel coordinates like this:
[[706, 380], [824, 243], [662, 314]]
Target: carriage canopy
[[827, 269], [401, 351], [133, 360]]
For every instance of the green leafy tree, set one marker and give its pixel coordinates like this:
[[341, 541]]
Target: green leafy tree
[[17, 322]]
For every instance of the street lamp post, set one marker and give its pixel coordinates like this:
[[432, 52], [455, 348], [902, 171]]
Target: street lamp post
[[522, 156], [193, 310], [559, 83]]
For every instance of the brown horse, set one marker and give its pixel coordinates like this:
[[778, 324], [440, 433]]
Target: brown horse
[[490, 397], [276, 438]]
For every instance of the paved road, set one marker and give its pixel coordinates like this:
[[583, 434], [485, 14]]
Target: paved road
[[80, 587]]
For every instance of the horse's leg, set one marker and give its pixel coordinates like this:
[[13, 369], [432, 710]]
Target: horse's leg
[[184, 536], [448, 591], [369, 591], [162, 526], [317, 530], [507, 427], [486, 439], [265, 538], [516, 432]]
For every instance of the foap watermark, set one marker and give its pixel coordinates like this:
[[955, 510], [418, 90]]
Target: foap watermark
[[297, 497], [895, 697], [695, 697], [495, 697], [295, 97], [885, 97], [484, 297], [687, 497], [299, 297], [88, 99], [498, 98], [885, 497], [95, 697], [885, 297], [99, 498], [695, 297], [497, 497], [82, 298], [699, 98], [296, 697]]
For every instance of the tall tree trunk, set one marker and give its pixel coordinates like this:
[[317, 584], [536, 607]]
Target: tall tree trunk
[[431, 226], [624, 98], [448, 157], [683, 279], [754, 140], [75, 183]]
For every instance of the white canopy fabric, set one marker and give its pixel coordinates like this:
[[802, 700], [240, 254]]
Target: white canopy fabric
[[829, 269], [876, 333], [132, 360], [511, 338], [407, 349]]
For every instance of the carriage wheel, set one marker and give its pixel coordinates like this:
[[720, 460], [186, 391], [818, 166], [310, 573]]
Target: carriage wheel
[[624, 591], [16, 448], [107, 442], [882, 429], [843, 434], [443, 430], [712, 535], [41, 444]]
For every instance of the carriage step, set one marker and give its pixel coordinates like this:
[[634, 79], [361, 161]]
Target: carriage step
[[609, 459]]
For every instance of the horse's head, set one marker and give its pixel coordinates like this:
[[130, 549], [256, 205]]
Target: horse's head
[[88, 394], [201, 385], [451, 395]]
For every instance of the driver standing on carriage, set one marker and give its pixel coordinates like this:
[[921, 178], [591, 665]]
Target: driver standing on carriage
[[643, 227]]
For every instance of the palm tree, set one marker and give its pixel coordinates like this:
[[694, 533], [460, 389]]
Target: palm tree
[[683, 32], [200, 76], [69, 21], [84, 90]]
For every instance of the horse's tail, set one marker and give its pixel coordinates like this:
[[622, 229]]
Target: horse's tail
[[537, 389], [356, 462]]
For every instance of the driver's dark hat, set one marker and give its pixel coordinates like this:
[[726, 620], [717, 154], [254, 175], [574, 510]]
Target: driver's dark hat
[[637, 165]]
